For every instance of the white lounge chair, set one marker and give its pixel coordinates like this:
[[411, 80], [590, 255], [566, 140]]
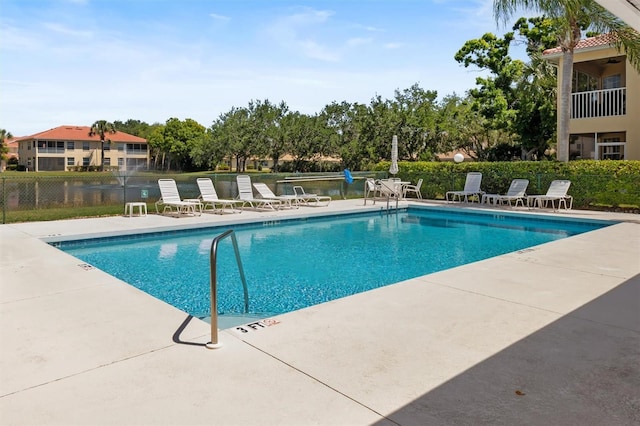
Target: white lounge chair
[[210, 200], [170, 199], [412, 189], [516, 193], [390, 189], [245, 194], [310, 199], [288, 201], [471, 189], [371, 190], [557, 192]]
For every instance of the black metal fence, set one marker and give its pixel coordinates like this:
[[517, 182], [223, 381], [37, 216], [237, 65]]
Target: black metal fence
[[99, 193], [30, 192]]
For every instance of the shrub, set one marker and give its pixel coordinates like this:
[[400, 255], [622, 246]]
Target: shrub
[[614, 185]]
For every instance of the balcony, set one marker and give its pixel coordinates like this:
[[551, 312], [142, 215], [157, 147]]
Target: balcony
[[599, 103], [51, 150]]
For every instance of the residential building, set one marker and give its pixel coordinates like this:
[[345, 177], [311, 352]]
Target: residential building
[[66, 148], [605, 101]]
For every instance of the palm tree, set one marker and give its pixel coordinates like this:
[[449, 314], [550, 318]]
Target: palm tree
[[102, 128], [572, 16]]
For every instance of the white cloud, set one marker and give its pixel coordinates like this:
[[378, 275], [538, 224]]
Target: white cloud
[[314, 50], [299, 32], [16, 39], [308, 16], [393, 46], [219, 17], [61, 29], [358, 41], [369, 28]]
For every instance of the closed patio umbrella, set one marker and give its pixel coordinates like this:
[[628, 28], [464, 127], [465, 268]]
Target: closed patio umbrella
[[394, 156]]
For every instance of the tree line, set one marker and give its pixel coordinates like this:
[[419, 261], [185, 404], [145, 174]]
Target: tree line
[[510, 114]]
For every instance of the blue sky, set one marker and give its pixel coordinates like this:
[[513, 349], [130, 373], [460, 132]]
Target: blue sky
[[78, 61]]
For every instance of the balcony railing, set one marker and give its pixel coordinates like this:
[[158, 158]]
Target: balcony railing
[[599, 103], [50, 150]]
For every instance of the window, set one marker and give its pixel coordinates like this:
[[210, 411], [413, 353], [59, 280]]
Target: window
[[71, 161], [85, 147], [613, 152], [107, 161], [137, 148], [120, 162], [107, 146], [583, 82], [612, 149], [71, 146], [54, 147], [85, 161], [612, 82]]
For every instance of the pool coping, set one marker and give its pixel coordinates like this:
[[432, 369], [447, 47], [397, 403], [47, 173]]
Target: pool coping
[[87, 348]]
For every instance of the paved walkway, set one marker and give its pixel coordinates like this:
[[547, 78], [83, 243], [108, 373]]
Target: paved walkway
[[544, 336]]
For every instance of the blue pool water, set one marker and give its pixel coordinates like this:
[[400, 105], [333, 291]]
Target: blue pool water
[[293, 264]]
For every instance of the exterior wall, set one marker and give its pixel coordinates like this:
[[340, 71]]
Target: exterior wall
[[633, 113], [626, 126]]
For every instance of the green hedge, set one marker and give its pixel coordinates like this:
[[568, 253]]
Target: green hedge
[[609, 185]]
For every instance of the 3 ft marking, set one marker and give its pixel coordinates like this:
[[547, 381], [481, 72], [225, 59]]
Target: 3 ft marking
[[258, 325]]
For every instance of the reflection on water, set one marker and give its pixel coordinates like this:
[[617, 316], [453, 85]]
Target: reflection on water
[[168, 251], [33, 193]]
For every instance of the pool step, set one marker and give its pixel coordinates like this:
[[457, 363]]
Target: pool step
[[233, 320]]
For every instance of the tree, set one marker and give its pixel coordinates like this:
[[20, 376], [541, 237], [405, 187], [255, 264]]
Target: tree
[[234, 130], [267, 135], [571, 18], [136, 127], [102, 128], [461, 125], [495, 97], [378, 128], [344, 128], [175, 141], [208, 151], [306, 136], [415, 112], [180, 137], [158, 147], [4, 149], [535, 122]]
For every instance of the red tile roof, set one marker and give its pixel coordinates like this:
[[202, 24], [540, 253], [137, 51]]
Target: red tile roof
[[600, 40], [81, 133]]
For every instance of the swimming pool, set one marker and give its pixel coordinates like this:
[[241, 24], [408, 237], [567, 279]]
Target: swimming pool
[[292, 264]]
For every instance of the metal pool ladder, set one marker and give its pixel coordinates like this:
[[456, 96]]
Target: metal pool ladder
[[214, 344]]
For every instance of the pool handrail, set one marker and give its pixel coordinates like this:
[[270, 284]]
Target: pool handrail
[[213, 256]]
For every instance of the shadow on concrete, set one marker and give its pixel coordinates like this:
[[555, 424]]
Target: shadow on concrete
[[583, 369], [176, 335]]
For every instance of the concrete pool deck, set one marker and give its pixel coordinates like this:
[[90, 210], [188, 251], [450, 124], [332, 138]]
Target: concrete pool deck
[[547, 335]]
